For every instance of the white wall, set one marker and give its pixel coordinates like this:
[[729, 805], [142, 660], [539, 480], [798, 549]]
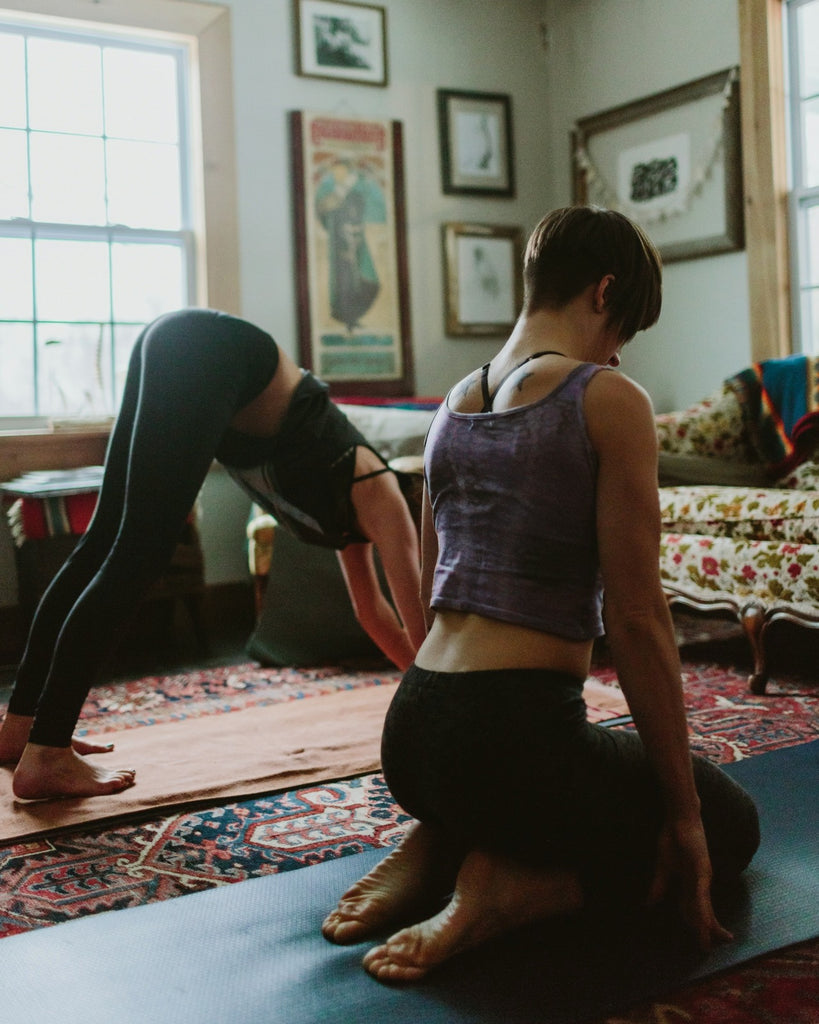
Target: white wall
[[600, 53], [607, 52], [484, 45]]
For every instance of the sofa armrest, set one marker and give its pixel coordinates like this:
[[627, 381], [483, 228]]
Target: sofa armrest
[[804, 478]]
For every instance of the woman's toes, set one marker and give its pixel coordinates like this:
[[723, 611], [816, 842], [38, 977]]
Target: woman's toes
[[380, 964]]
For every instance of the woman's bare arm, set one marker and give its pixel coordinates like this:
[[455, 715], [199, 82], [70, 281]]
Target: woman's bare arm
[[620, 421], [373, 611], [384, 517]]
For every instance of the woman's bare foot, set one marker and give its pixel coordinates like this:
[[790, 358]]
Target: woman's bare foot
[[492, 895], [416, 875], [47, 773], [14, 737]]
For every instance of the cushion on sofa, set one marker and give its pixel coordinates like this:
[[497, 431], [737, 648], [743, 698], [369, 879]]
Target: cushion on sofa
[[712, 427], [392, 432]]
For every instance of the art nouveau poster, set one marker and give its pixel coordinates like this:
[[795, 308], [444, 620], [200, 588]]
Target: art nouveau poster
[[348, 180]]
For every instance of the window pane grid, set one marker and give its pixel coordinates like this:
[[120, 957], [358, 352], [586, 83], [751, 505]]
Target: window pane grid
[[802, 53], [95, 230]]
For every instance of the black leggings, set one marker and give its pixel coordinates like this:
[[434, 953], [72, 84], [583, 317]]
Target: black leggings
[[506, 761], [190, 372]]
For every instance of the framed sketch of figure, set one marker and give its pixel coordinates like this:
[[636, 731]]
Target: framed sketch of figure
[[475, 131], [482, 271]]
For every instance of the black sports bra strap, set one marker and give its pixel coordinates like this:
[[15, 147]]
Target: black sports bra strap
[[489, 396], [375, 472]]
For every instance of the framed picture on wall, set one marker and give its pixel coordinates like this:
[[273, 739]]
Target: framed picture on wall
[[483, 289], [475, 132], [351, 258], [343, 41], [672, 162]]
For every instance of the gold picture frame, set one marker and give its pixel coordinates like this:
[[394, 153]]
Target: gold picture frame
[[672, 162], [483, 283]]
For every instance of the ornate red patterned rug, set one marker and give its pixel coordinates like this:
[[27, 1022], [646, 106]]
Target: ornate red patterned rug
[[90, 870], [230, 734]]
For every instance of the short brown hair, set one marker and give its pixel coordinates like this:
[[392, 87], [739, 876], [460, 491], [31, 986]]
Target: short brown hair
[[576, 246]]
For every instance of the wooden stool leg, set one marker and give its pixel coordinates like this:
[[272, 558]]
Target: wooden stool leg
[[259, 590], [195, 603], [753, 622]]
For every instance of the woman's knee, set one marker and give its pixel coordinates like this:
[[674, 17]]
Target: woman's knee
[[730, 819]]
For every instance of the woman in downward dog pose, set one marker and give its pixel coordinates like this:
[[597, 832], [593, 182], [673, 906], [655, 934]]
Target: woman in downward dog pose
[[541, 477], [203, 385]]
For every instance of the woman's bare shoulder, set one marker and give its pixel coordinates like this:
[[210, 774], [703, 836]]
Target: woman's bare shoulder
[[618, 410], [613, 386], [465, 396]]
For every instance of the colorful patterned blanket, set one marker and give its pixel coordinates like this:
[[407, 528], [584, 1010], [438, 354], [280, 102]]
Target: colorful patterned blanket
[[779, 399]]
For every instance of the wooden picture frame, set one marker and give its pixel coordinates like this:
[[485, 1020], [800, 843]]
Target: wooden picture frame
[[351, 253], [475, 134], [483, 282], [342, 41], [672, 162]]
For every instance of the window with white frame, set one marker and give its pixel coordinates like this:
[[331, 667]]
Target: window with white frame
[[802, 58], [96, 232]]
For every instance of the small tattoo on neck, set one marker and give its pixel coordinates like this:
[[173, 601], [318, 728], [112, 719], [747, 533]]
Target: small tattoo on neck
[[465, 388]]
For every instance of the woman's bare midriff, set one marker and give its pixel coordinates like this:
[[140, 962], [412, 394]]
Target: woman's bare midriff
[[465, 642]]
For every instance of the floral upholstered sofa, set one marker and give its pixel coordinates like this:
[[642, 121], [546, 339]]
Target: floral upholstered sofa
[[735, 538]]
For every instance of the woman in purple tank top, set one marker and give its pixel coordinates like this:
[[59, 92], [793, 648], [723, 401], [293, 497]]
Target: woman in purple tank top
[[541, 476]]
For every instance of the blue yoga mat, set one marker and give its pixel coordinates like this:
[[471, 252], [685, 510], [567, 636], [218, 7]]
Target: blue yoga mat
[[251, 953]]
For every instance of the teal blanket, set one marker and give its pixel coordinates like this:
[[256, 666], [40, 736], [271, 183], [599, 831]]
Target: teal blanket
[[779, 399]]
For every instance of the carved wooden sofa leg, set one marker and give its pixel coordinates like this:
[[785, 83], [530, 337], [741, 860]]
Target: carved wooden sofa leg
[[754, 622]]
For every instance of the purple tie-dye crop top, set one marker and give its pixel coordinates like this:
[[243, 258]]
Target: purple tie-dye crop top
[[513, 499]]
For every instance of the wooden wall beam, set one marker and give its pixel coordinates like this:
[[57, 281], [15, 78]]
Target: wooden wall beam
[[762, 99]]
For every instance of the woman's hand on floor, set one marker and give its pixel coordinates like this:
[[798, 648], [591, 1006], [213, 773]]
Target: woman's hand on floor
[[683, 864]]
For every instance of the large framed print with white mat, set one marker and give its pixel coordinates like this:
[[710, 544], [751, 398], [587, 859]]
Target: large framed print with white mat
[[672, 162]]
